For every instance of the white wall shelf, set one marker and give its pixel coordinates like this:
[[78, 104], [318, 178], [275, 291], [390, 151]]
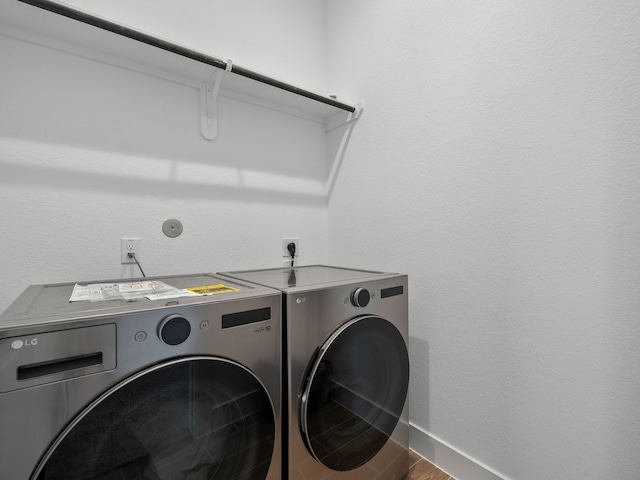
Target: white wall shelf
[[66, 28]]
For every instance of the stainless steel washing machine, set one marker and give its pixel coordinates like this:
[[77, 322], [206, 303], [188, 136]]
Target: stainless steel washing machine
[[178, 388], [346, 344]]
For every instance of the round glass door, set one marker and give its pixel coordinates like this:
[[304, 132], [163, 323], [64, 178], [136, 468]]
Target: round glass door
[[355, 393], [195, 418]]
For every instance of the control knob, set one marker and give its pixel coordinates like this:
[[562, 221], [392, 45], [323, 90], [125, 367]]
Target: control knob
[[174, 330], [360, 297]]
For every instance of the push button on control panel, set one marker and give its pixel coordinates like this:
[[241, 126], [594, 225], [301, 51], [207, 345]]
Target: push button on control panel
[[360, 297], [140, 336], [174, 330]]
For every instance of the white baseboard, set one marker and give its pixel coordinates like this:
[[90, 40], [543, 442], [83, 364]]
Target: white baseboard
[[449, 459]]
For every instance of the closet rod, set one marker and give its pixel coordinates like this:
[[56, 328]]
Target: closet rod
[[113, 27]]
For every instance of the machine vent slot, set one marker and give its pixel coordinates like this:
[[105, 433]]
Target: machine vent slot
[[42, 369], [244, 318], [391, 292]]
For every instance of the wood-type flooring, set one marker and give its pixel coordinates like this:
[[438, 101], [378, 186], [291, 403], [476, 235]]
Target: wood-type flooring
[[422, 469]]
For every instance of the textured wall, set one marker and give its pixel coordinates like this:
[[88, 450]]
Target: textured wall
[[90, 153], [284, 39], [497, 164]]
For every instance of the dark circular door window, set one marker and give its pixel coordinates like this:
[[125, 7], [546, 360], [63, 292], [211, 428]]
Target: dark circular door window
[[195, 418], [355, 393]]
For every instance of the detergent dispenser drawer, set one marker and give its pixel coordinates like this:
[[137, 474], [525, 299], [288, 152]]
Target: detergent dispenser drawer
[[48, 357]]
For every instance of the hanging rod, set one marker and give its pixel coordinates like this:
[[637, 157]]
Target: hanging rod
[[142, 37]]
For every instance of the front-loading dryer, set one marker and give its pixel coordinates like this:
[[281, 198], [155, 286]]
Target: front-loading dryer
[[346, 356], [163, 389]]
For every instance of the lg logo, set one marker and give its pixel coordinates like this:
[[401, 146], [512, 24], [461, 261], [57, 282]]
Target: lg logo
[[29, 342]]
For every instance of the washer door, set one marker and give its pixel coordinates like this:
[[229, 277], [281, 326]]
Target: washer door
[[192, 418], [355, 393]]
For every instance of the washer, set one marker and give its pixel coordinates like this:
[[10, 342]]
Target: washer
[[181, 388], [346, 350]]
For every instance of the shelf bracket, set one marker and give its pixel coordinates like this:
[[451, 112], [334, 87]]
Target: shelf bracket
[[348, 124], [209, 103]]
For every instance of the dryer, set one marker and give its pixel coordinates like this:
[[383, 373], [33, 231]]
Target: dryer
[[179, 388], [347, 364]]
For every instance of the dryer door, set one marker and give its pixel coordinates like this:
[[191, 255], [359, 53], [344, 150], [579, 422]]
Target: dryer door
[[191, 418], [355, 393]]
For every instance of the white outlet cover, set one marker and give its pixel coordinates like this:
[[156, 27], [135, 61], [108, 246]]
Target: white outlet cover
[[286, 241], [125, 248]]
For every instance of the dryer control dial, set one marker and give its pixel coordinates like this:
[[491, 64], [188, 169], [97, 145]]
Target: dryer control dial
[[174, 330], [360, 297]]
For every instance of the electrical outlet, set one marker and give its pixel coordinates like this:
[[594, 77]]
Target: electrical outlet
[[285, 251], [127, 246]]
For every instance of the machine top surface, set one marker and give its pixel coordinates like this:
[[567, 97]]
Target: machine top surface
[[305, 277], [50, 303]]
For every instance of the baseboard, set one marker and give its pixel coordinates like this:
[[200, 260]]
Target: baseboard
[[447, 458]]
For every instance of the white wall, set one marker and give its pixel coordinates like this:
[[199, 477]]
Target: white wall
[[90, 153], [284, 39], [497, 164]]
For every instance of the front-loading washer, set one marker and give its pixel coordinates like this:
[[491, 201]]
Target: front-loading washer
[[165, 389], [347, 363]]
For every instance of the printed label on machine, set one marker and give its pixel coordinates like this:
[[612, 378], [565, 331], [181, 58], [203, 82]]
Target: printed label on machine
[[212, 289]]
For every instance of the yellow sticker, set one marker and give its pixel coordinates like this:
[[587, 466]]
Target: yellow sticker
[[213, 289]]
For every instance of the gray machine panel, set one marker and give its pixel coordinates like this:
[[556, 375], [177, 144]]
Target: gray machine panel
[[304, 278], [49, 357], [48, 303]]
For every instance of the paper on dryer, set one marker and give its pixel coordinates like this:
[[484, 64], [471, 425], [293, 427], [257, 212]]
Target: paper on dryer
[[153, 290], [195, 291]]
